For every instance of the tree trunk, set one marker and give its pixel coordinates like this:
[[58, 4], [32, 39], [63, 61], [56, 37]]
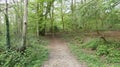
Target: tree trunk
[[7, 27], [37, 23], [75, 15], [21, 18], [41, 30], [0, 24], [24, 25], [72, 8], [62, 13], [52, 19]]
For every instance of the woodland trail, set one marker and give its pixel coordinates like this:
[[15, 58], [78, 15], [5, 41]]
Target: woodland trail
[[60, 55]]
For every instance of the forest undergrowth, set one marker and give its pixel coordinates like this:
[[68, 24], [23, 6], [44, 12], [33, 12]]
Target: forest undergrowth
[[94, 50], [34, 56]]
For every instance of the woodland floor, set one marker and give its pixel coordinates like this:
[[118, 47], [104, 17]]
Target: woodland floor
[[60, 55]]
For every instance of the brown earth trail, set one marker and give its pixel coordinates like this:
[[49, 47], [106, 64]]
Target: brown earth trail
[[60, 55]]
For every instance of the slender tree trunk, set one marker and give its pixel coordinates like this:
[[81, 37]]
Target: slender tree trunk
[[62, 14], [7, 27], [37, 24], [83, 22], [41, 18], [0, 24], [52, 20], [72, 9], [75, 16], [73, 5], [24, 25], [17, 25], [72, 12], [96, 23], [21, 18]]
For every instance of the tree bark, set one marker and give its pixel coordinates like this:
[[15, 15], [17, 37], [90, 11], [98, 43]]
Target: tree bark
[[24, 25], [7, 26]]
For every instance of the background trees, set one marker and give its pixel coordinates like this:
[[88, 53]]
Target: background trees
[[99, 10], [53, 15]]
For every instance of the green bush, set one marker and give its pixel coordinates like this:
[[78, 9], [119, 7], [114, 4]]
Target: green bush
[[102, 50]]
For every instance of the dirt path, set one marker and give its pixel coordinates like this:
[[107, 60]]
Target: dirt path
[[60, 55]]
